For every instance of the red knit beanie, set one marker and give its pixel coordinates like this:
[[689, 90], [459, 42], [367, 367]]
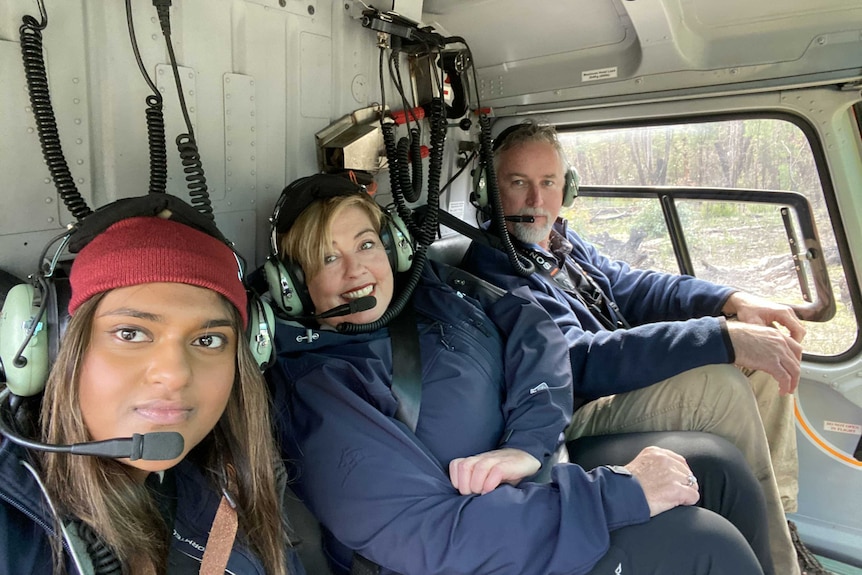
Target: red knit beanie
[[142, 250]]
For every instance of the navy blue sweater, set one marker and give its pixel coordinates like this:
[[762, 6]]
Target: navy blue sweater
[[675, 318]]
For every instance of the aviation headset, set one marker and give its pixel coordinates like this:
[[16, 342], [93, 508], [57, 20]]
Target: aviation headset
[[480, 184], [285, 278], [33, 318]]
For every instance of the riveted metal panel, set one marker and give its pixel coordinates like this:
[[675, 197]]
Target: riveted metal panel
[[174, 121], [240, 137], [316, 72], [30, 199], [298, 7]]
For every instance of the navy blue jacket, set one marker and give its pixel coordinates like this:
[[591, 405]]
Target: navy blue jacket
[[675, 318], [385, 492], [26, 523]]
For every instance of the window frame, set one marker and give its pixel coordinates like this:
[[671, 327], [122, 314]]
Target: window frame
[[675, 228]]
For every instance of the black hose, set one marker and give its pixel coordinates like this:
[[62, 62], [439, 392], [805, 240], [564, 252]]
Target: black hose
[[402, 152], [410, 149], [156, 144], [186, 144], [416, 153], [155, 118], [397, 174], [437, 120], [486, 159], [104, 559], [46, 123], [195, 178]]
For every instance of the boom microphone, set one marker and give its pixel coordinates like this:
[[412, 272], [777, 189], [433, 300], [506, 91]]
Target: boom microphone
[[359, 304], [155, 446], [522, 219]]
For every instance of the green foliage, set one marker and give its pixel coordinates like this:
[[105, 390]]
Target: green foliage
[[651, 221], [720, 209]]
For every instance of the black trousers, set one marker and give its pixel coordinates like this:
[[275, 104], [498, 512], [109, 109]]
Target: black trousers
[[725, 533]]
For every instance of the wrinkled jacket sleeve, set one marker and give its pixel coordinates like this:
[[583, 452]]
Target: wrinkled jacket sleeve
[[538, 376], [384, 496], [646, 296], [652, 352]]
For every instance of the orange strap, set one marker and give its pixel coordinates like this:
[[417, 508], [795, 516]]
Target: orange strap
[[220, 542]]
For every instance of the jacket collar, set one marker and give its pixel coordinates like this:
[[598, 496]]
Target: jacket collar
[[21, 487], [18, 487]]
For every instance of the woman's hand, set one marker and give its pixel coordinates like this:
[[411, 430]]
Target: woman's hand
[[664, 477], [484, 472]]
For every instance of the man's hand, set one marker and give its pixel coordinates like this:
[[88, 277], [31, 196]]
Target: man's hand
[[756, 310], [484, 472], [663, 475], [767, 349]]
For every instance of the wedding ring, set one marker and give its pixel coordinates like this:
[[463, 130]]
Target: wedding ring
[[691, 480]]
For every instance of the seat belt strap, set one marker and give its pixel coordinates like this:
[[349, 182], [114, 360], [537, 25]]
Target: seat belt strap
[[406, 366], [407, 389], [362, 566]]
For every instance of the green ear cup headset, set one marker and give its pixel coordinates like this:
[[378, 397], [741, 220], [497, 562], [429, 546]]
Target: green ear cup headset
[[480, 185], [286, 281], [34, 315]]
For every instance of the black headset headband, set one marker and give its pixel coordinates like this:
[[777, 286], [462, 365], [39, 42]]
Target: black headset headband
[[143, 206], [504, 135], [303, 192]]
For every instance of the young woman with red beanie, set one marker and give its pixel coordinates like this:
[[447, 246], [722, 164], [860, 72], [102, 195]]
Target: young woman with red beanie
[[156, 343]]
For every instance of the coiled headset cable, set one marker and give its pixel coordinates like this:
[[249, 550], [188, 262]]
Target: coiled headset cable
[[486, 160], [186, 144], [30, 34], [155, 118], [105, 561], [521, 264]]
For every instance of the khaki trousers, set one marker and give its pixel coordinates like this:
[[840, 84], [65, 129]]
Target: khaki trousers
[[719, 399]]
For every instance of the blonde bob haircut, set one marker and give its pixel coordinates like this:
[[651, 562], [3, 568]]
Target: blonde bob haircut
[[309, 239]]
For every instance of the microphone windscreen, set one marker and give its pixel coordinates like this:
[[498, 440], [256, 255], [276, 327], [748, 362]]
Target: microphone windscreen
[[161, 445], [363, 304]]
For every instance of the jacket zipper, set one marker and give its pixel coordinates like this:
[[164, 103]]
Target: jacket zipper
[[49, 529]]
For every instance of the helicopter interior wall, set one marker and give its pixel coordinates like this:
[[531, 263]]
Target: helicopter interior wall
[[636, 48], [260, 79]]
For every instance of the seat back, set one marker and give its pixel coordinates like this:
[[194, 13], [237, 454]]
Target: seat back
[[305, 534], [449, 250]]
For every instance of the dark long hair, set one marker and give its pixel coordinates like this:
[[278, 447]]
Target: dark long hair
[[102, 494]]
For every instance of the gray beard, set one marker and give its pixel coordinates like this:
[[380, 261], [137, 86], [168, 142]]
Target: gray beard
[[532, 233]]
